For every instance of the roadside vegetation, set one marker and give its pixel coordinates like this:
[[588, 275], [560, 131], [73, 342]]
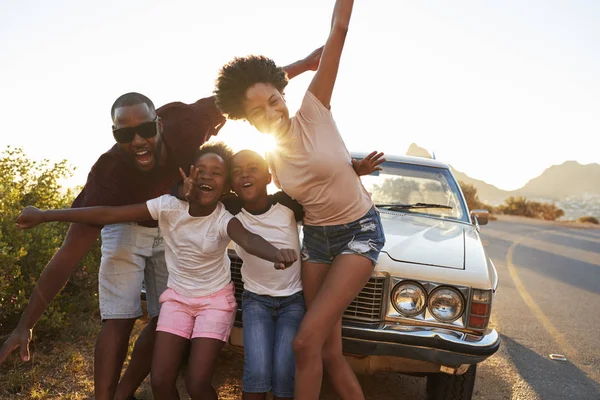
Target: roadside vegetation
[[513, 206], [589, 220], [61, 337], [24, 254]]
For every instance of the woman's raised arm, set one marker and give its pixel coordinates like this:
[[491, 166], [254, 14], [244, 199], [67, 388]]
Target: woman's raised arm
[[324, 80]]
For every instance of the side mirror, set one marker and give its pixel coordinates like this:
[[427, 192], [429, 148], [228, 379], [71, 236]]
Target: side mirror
[[480, 217]]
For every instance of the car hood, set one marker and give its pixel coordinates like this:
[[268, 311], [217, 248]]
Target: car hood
[[423, 240]]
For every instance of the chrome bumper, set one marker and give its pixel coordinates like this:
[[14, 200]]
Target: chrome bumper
[[439, 346]]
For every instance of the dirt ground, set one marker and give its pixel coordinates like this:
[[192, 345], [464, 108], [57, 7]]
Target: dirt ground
[[62, 368], [227, 382]]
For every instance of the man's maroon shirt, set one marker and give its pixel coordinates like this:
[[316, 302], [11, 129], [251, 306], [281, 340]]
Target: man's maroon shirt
[[115, 180]]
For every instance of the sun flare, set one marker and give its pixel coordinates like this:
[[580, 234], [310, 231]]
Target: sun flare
[[242, 136]]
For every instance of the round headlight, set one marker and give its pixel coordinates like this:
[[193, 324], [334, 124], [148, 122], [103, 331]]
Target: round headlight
[[409, 298], [446, 304]]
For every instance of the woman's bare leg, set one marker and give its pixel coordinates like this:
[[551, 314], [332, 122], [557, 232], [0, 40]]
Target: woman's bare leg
[[345, 279], [340, 373], [338, 370]]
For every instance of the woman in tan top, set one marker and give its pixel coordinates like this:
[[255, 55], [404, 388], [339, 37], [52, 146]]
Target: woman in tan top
[[342, 229]]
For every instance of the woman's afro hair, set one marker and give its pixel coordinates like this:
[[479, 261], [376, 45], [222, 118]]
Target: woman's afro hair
[[237, 76]]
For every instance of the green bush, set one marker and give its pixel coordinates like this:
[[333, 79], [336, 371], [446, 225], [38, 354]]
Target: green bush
[[547, 211], [532, 209], [472, 198], [24, 254], [588, 219], [516, 206]]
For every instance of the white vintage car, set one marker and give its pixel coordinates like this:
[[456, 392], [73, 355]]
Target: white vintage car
[[426, 309]]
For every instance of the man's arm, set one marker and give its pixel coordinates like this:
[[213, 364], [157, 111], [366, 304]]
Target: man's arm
[[77, 243], [259, 247], [101, 215]]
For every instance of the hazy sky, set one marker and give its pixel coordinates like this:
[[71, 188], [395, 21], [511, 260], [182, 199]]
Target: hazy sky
[[499, 89]]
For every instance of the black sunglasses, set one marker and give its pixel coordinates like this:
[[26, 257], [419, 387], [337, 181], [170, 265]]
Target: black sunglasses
[[146, 130]]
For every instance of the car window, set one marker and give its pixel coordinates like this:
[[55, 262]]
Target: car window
[[432, 191]]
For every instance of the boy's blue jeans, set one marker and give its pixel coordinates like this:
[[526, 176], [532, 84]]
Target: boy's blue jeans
[[270, 324]]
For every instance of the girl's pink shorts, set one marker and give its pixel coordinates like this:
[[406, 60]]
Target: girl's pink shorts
[[209, 316]]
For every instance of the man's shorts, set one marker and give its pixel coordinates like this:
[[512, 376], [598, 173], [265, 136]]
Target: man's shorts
[[132, 255], [210, 316]]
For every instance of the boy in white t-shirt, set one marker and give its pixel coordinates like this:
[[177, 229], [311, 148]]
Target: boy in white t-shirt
[[272, 301], [199, 303]]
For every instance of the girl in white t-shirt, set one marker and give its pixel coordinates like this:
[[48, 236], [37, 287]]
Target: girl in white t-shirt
[[199, 304], [343, 234]]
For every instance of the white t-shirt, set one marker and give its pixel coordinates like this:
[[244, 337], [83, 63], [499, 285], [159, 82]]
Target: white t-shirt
[[196, 247], [278, 227]]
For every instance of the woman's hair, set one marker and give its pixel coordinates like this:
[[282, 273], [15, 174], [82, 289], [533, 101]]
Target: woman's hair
[[218, 148], [237, 76]]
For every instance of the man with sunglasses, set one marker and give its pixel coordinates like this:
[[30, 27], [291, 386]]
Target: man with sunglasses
[[144, 163]]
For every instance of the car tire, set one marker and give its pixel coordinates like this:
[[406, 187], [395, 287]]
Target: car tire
[[451, 387]]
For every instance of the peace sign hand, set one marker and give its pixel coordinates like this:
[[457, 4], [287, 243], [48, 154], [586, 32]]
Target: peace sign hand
[[189, 182]]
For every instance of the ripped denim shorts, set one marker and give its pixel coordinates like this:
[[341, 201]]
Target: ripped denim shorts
[[365, 237]]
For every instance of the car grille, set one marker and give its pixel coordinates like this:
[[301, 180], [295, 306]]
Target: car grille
[[236, 277], [366, 307]]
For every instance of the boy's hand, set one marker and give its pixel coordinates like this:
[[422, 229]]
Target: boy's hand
[[369, 164], [30, 217], [285, 258]]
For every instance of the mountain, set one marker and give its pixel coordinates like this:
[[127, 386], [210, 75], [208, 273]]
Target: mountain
[[487, 193], [566, 180], [416, 151], [560, 183]]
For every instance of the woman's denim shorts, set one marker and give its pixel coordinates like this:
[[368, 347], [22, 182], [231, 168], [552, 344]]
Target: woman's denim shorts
[[365, 237]]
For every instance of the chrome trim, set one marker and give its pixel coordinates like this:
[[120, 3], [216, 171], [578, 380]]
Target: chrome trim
[[368, 303], [406, 281], [461, 338], [480, 217], [368, 307], [426, 317], [462, 311], [471, 302]]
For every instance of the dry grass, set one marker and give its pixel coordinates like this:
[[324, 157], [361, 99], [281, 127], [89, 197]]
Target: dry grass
[[62, 368]]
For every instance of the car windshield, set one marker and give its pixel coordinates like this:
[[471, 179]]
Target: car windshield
[[418, 189]]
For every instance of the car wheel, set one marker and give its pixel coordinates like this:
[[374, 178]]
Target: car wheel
[[451, 387]]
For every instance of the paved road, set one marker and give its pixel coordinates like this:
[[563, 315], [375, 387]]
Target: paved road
[[548, 302]]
